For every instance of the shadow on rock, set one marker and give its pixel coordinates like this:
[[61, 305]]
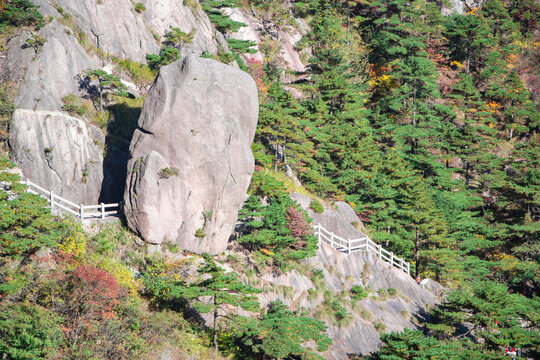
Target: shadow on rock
[[122, 124]]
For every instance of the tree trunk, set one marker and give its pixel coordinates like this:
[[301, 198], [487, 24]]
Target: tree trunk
[[466, 174], [101, 101], [215, 324]]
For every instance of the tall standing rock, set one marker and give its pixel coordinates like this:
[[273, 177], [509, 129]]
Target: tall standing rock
[[191, 160]]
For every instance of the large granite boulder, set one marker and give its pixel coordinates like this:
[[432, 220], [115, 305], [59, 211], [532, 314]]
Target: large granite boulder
[[191, 160], [59, 153]]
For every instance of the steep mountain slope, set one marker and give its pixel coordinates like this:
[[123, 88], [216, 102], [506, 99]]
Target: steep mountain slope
[[419, 129]]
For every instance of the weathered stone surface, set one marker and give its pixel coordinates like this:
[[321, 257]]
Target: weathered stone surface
[[191, 161], [59, 153], [255, 29], [46, 77], [162, 14], [461, 6], [340, 273], [112, 25], [340, 221]]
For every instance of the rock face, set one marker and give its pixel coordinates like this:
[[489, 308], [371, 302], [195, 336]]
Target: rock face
[[46, 77], [343, 220], [191, 161], [111, 25], [341, 272], [59, 153], [162, 14]]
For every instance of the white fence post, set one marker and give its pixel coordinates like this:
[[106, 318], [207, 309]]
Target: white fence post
[[81, 211], [52, 200], [380, 250], [319, 233], [402, 264], [391, 259], [102, 210], [332, 239]]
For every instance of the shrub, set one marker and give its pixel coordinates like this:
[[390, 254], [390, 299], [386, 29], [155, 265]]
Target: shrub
[[380, 327], [36, 42], [242, 46], [28, 332], [316, 206], [74, 243], [166, 56], [26, 223], [21, 13], [168, 172], [139, 7], [200, 233], [298, 224], [358, 292]]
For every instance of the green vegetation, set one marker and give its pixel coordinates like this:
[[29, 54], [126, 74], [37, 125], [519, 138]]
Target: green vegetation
[[168, 172], [428, 126], [222, 22], [65, 294], [242, 46], [175, 39], [166, 56], [28, 332], [358, 293], [20, 13], [139, 7], [316, 206], [279, 230], [280, 334], [36, 42]]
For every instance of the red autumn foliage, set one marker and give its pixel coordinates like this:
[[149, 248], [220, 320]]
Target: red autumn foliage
[[102, 283], [298, 224], [255, 69], [447, 78], [437, 49], [96, 291]]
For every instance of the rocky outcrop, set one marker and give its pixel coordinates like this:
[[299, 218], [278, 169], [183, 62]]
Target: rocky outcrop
[[111, 25], [342, 220], [461, 6], [191, 161], [160, 15], [116, 28], [360, 335], [340, 272], [45, 77], [59, 153], [285, 36]]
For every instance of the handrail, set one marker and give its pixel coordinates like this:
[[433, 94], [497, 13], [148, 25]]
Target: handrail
[[363, 243], [79, 210]]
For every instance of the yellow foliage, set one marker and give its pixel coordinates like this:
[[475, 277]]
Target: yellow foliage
[[75, 242], [473, 12], [121, 273], [493, 106], [456, 64], [267, 252]]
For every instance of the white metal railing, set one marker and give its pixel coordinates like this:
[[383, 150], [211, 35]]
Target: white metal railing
[[81, 211], [363, 243]]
